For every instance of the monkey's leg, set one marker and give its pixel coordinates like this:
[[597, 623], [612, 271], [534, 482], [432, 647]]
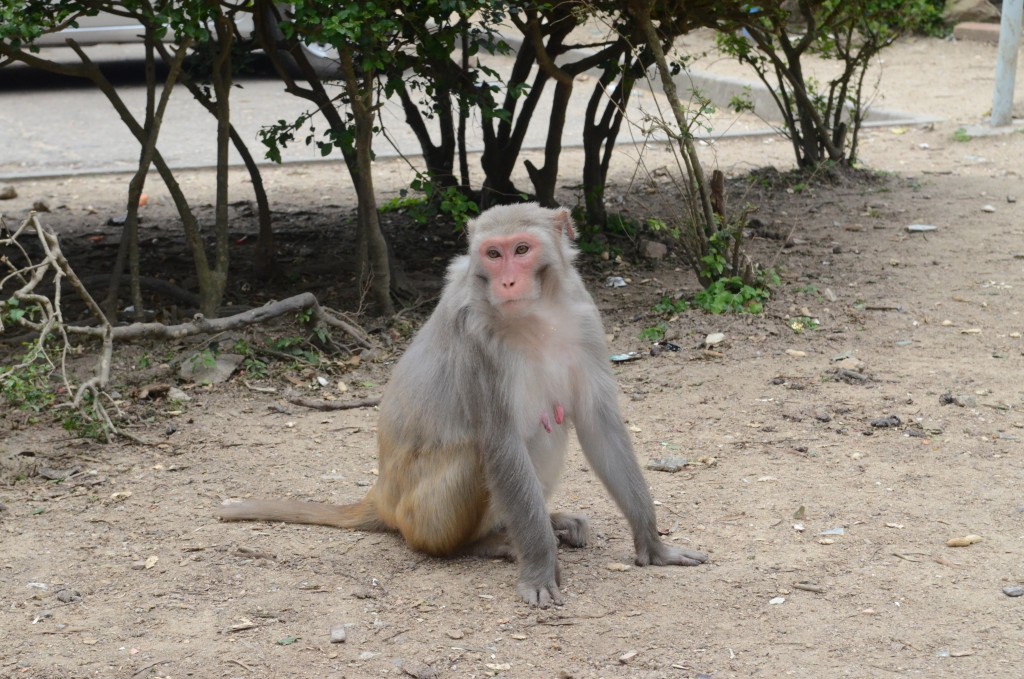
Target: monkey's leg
[[573, 530], [440, 503], [492, 546]]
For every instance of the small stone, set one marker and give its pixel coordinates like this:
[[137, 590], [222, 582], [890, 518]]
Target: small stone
[[796, 353], [1013, 591], [667, 464], [627, 656], [418, 670], [615, 282], [652, 249], [886, 422], [714, 338], [851, 363], [338, 634], [777, 601], [1011, 199], [41, 205], [69, 596], [455, 634], [988, 208], [8, 192], [921, 228], [176, 394], [965, 541]]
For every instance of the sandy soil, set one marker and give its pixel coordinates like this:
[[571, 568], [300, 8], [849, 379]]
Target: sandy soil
[[827, 534]]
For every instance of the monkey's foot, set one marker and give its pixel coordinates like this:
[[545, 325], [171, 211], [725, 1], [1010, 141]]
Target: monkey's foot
[[541, 596], [572, 530], [493, 546], [662, 555]]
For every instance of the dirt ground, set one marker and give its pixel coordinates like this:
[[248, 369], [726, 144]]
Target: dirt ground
[[827, 534]]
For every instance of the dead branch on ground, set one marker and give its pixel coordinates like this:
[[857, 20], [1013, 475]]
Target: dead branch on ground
[[44, 317]]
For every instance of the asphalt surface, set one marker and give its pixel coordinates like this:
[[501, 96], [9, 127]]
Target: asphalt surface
[[55, 126]]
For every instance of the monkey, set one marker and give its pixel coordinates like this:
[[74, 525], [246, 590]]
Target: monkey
[[473, 425]]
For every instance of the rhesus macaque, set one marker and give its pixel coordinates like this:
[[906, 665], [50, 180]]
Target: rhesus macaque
[[471, 433]]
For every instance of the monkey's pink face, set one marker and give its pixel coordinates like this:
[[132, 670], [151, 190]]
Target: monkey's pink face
[[510, 263]]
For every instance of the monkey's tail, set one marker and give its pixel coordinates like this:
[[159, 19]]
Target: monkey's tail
[[361, 515]]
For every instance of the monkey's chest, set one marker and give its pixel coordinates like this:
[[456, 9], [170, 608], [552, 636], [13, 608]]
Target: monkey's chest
[[549, 382]]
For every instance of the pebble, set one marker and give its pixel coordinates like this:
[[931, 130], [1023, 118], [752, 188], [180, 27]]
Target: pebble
[[338, 634], [69, 596], [796, 353], [988, 208], [667, 464], [965, 541], [851, 363], [921, 228], [455, 634], [1013, 591], [884, 422], [41, 206], [615, 282], [8, 192], [714, 338], [777, 600], [627, 656]]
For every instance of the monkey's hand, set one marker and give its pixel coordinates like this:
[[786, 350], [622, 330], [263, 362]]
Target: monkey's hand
[[540, 594], [660, 554], [540, 590]]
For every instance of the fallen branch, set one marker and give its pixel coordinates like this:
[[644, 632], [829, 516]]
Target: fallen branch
[[42, 315], [320, 404]]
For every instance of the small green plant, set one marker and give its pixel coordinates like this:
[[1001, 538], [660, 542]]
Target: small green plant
[[655, 333], [670, 307], [961, 135], [251, 364], [204, 359], [254, 367], [808, 289], [623, 226], [403, 203], [731, 295], [450, 200], [803, 323], [82, 425], [11, 312], [659, 227], [26, 385], [146, 361], [296, 347]]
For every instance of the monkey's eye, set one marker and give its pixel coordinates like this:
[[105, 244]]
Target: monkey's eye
[[493, 254], [522, 249]]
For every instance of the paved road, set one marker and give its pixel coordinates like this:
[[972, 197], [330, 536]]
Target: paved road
[[51, 125], [55, 126]]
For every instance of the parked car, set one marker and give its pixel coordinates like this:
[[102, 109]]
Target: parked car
[[105, 28]]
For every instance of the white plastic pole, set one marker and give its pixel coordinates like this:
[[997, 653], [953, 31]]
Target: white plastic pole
[[1006, 62]]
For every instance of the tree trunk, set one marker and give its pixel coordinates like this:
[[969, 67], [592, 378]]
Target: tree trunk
[[374, 272]]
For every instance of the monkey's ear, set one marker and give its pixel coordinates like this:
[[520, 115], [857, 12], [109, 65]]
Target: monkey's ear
[[563, 223]]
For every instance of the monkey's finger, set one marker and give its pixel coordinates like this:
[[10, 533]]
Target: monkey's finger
[[680, 557], [540, 596]]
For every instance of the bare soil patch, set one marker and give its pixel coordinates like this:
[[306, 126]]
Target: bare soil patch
[[827, 533]]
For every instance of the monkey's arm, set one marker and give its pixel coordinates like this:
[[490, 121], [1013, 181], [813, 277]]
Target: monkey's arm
[[518, 497], [607, 447]]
